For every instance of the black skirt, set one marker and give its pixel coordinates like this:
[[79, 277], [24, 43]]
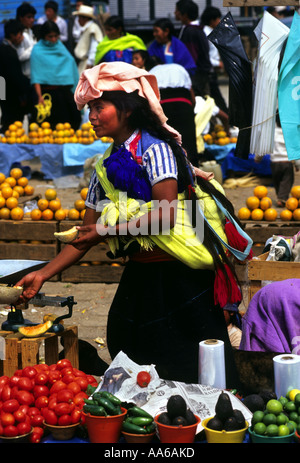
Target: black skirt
[[160, 313]]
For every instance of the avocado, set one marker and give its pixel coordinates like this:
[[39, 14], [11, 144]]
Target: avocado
[[176, 406], [215, 423], [267, 395], [223, 407], [179, 421], [238, 415], [254, 402], [164, 419], [231, 424], [190, 417]]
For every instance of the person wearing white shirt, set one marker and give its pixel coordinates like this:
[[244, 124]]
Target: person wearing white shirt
[[51, 10], [25, 15]]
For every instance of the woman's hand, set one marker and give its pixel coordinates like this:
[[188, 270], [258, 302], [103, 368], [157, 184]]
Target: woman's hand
[[89, 235], [32, 283]]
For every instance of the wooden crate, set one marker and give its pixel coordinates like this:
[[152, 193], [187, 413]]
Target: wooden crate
[[259, 269], [21, 351], [95, 266]]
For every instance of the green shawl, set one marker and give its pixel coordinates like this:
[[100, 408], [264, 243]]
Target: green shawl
[[122, 43]]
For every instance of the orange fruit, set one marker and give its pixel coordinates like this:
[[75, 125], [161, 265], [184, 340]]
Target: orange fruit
[[260, 191], [17, 213], [244, 213], [60, 214], [33, 127], [252, 202], [19, 189], [73, 214], [50, 194], [11, 181], [79, 204], [11, 202], [296, 214], [16, 173], [36, 214], [82, 213], [7, 192], [22, 181], [292, 203], [84, 192], [15, 194], [43, 204], [54, 204], [4, 213], [2, 177], [59, 126], [257, 214], [286, 215], [2, 202], [265, 203], [47, 214], [295, 191], [4, 184], [45, 125], [28, 190], [270, 214]]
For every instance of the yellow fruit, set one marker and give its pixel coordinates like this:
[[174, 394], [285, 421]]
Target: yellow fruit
[[82, 214], [260, 191], [4, 213], [73, 214], [270, 214], [68, 235], [50, 194], [43, 204], [3, 177], [22, 181], [79, 204], [36, 214], [2, 202], [60, 214], [244, 213], [18, 124], [295, 191], [221, 134], [252, 202], [11, 181], [265, 203], [28, 190], [7, 191], [17, 213], [292, 203], [59, 126], [33, 127], [45, 125], [293, 393], [19, 189], [257, 214], [54, 204], [286, 215], [11, 202], [83, 193]]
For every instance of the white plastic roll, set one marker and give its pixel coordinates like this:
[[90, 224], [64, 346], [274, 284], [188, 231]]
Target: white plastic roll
[[286, 373], [212, 364]]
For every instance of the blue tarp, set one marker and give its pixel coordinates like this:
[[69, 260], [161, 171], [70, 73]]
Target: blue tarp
[[232, 163]]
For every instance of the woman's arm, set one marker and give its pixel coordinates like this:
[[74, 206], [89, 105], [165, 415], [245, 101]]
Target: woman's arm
[[39, 93]]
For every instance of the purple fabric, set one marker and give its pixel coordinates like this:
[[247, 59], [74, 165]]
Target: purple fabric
[[272, 320], [181, 54]]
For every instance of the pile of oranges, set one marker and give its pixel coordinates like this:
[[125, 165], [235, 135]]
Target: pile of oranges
[[50, 208], [292, 206], [11, 188], [218, 136], [258, 206], [38, 134]]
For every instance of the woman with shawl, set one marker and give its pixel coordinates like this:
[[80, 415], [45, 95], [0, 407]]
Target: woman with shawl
[[54, 73], [174, 286]]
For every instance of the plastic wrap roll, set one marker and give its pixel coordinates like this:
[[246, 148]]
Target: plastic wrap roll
[[286, 373], [212, 363]]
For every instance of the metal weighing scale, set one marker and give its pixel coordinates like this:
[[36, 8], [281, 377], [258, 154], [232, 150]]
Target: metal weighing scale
[[11, 271]]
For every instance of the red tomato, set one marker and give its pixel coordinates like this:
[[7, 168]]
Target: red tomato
[[25, 383], [83, 382], [1, 430], [14, 391], [7, 419], [35, 438], [63, 363], [67, 379], [37, 420], [54, 375], [50, 416], [41, 378], [29, 372], [24, 408], [25, 398], [40, 389], [143, 378], [14, 380], [41, 402], [38, 430], [74, 386], [79, 399], [62, 409], [67, 371], [91, 379], [65, 395], [59, 385], [6, 392], [18, 373], [41, 367], [4, 380], [52, 403], [64, 420], [78, 372], [19, 416], [33, 411], [23, 428], [10, 406], [75, 416], [10, 431]]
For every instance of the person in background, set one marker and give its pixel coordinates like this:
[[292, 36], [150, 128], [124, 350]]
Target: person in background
[[54, 72], [142, 60], [51, 14], [234, 324], [210, 18], [90, 36], [193, 36], [281, 167], [117, 44], [25, 16], [167, 48], [74, 28], [19, 94]]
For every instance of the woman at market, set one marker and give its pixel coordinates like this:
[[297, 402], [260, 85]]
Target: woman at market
[[117, 45], [167, 48], [173, 288], [54, 74]]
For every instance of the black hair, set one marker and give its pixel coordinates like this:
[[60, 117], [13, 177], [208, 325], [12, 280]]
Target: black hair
[[24, 9], [116, 22], [149, 62], [142, 117], [189, 8], [165, 23], [47, 28], [210, 13], [12, 26], [51, 4]]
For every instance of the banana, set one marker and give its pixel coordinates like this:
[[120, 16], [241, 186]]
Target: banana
[[68, 235]]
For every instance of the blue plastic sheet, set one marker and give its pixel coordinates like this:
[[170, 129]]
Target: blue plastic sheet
[[235, 164]]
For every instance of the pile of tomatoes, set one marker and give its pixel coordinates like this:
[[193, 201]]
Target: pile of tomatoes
[[40, 394]]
